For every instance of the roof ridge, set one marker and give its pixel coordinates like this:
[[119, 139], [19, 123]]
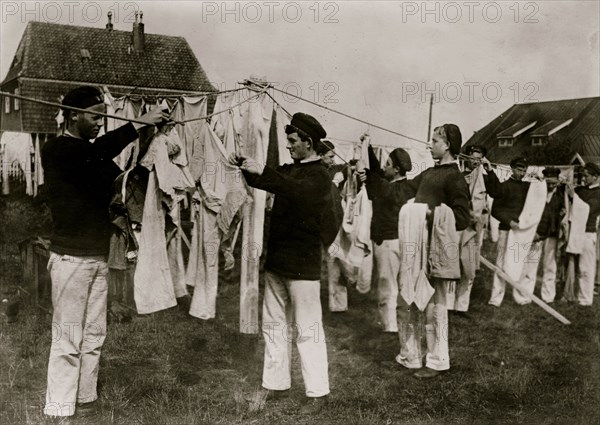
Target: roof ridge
[[98, 29], [556, 101]]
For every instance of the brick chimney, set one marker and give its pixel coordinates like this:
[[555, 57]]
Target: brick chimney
[[138, 33], [109, 25]]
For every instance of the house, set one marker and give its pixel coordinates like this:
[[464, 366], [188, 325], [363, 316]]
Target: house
[[558, 132], [52, 59]]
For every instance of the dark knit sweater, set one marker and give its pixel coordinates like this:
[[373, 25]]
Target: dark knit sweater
[[509, 198], [78, 181], [387, 199], [302, 191], [590, 196], [550, 221], [443, 184]]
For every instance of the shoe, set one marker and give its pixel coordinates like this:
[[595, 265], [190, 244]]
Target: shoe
[[85, 410], [462, 314], [427, 373], [313, 405]]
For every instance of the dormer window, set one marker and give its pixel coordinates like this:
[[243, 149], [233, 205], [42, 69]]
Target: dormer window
[[506, 138], [540, 135], [538, 141], [85, 55]]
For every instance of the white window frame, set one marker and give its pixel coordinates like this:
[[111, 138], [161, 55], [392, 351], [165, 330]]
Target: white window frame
[[17, 104], [506, 143]]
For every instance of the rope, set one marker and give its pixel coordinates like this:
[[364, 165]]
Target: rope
[[103, 114], [350, 116]]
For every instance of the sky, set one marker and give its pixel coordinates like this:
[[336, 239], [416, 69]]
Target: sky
[[379, 60]]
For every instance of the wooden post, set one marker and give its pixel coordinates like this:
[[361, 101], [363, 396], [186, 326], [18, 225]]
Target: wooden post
[[430, 112], [504, 276]]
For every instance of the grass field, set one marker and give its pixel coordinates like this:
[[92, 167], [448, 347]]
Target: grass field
[[512, 365]]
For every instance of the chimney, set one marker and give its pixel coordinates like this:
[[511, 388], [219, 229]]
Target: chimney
[[138, 33], [109, 26]]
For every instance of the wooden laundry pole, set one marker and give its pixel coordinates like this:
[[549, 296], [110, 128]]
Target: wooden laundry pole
[[504, 276], [430, 111]]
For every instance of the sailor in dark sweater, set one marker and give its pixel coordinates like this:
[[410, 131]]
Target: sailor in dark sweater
[[292, 289], [445, 184], [388, 194], [509, 199], [78, 181], [590, 194], [546, 239]]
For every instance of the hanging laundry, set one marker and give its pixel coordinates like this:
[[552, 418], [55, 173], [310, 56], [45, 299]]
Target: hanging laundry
[[223, 192], [127, 108], [155, 284], [254, 139], [188, 108], [412, 232], [282, 118], [16, 148]]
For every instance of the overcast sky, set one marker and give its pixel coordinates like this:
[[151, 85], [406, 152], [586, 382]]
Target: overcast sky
[[375, 60]]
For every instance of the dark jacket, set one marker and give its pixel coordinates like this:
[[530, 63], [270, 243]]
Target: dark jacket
[[509, 198], [302, 193], [79, 176], [590, 196], [388, 198], [443, 184], [551, 217]]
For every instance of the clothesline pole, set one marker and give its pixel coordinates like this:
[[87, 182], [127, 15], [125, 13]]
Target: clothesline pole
[[504, 276]]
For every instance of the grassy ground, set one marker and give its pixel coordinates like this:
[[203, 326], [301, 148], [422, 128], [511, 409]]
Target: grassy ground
[[508, 365]]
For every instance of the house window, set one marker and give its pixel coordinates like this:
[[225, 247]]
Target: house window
[[537, 141], [17, 105], [506, 143], [7, 105]]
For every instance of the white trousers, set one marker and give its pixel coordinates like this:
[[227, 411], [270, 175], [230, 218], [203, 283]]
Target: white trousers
[[79, 297], [499, 285], [294, 307], [436, 331], [338, 292], [544, 252], [387, 269], [462, 295], [587, 270]]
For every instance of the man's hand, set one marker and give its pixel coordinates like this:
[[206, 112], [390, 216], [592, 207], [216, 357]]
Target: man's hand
[[570, 189], [152, 117], [252, 166], [362, 175], [487, 166], [236, 159], [473, 219], [514, 225]]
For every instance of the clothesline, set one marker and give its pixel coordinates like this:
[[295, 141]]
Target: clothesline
[[103, 114], [175, 95], [349, 116]]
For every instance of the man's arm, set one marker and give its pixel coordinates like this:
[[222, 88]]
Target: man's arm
[[112, 143], [314, 183], [459, 203]]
